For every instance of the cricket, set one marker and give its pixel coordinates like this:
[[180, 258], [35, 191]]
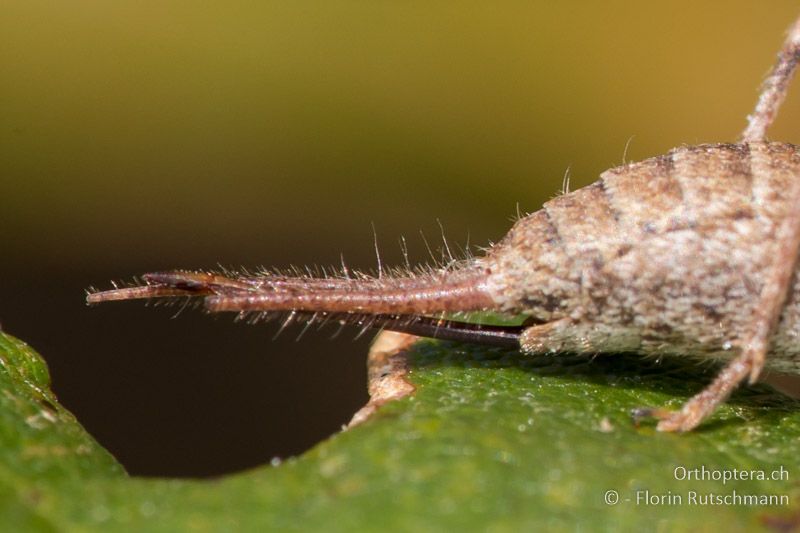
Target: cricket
[[692, 253]]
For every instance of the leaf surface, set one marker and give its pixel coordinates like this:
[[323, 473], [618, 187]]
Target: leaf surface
[[492, 440]]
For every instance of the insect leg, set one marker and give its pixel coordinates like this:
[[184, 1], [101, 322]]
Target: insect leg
[[546, 338], [452, 330], [775, 87], [766, 313]]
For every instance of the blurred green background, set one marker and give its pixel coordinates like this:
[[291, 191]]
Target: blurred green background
[[139, 136]]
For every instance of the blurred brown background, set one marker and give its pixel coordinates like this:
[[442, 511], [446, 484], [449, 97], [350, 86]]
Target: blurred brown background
[[139, 136]]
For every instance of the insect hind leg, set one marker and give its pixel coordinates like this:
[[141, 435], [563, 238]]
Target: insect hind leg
[[774, 88], [765, 316]]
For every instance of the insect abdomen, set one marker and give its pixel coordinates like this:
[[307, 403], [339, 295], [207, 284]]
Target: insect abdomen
[[670, 251]]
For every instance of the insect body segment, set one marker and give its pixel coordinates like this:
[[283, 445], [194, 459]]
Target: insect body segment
[[690, 253], [678, 273]]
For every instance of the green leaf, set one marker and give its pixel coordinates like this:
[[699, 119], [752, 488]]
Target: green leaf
[[491, 440]]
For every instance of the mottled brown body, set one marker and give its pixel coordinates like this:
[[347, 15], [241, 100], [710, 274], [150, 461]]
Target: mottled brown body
[[691, 253], [661, 256]]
